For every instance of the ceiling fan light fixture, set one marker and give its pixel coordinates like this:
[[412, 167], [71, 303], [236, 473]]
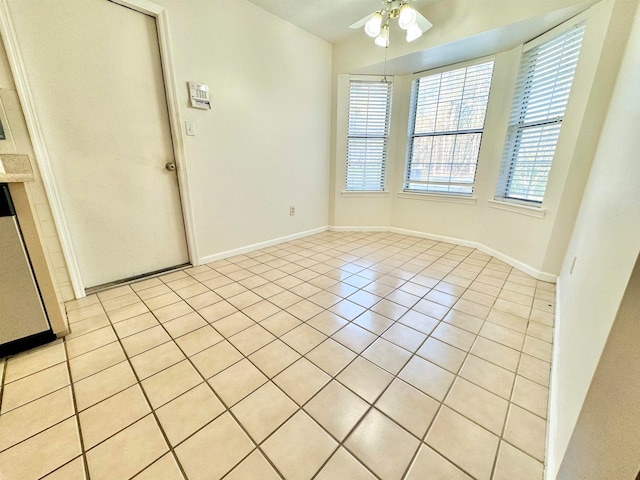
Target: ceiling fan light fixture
[[382, 40], [377, 24], [413, 32], [373, 25], [407, 17]]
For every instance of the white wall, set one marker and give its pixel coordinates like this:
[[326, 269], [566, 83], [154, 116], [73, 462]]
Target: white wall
[[264, 145], [18, 141], [535, 245], [605, 243], [605, 442]]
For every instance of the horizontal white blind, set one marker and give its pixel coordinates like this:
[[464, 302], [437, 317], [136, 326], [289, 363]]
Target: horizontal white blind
[[368, 134], [447, 119], [540, 99]]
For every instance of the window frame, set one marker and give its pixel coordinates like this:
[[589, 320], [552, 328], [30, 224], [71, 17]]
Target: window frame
[[519, 106], [383, 158], [411, 135]]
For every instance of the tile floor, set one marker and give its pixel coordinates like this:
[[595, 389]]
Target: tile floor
[[336, 356]]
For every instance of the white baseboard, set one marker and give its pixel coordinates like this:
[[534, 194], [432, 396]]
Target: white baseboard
[[437, 238], [334, 228], [258, 246], [544, 276], [523, 267]]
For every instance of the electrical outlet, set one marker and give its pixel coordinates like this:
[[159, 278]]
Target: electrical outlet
[[292, 210]]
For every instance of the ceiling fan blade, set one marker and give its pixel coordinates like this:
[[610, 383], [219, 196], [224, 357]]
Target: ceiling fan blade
[[360, 23], [422, 22]]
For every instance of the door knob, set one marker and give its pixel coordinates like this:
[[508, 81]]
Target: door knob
[[170, 166]]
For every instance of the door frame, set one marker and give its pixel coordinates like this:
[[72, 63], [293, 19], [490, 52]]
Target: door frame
[[42, 158]]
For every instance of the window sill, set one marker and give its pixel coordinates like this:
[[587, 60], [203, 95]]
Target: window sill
[[364, 194], [435, 197], [536, 212]]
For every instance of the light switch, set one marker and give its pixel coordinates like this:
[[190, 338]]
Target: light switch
[[191, 128]]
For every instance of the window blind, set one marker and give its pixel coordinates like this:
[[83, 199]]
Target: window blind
[[368, 134], [445, 129], [540, 99]]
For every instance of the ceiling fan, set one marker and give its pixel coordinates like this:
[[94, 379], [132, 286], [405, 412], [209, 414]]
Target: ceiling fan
[[376, 24]]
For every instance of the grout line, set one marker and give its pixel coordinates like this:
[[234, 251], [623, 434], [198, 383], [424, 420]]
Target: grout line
[[444, 398], [340, 443], [371, 404], [37, 398], [109, 396], [65, 464], [506, 419], [152, 410], [32, 373], [77, 414], [205, 381], [44, 429], [362, 259]]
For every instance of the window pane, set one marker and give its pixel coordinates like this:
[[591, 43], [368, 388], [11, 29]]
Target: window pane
[[365, 163], [542, 92], [444, 164], [448, 113], [534, 150], [368, 131]]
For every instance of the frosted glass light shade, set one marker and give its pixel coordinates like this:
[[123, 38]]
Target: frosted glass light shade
[[382, 40], [372, 27], [413, 32], [407, 17]]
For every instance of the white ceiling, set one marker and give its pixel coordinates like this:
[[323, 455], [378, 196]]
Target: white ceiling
[[327, 19], [330, 20], [476, 46]]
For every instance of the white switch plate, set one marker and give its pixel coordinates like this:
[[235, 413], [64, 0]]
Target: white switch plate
[[191, 128]]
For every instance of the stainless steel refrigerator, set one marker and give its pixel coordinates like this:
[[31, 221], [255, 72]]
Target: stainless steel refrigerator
[[23, 320]]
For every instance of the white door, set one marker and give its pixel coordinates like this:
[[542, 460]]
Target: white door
[[95, 73]]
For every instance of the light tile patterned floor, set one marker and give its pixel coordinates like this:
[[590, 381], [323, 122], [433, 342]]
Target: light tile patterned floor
[[340, 355]]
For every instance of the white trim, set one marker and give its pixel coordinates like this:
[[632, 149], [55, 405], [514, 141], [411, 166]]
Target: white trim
[[364, 194], [437, 197], [437, 238], [42, 156], [535, 212], [370, 78], [175, 122], [142, 6], [544, 276], [415, 108], [454, 66], [555, 31], [334, 228], [258, 246], [551, 462]]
